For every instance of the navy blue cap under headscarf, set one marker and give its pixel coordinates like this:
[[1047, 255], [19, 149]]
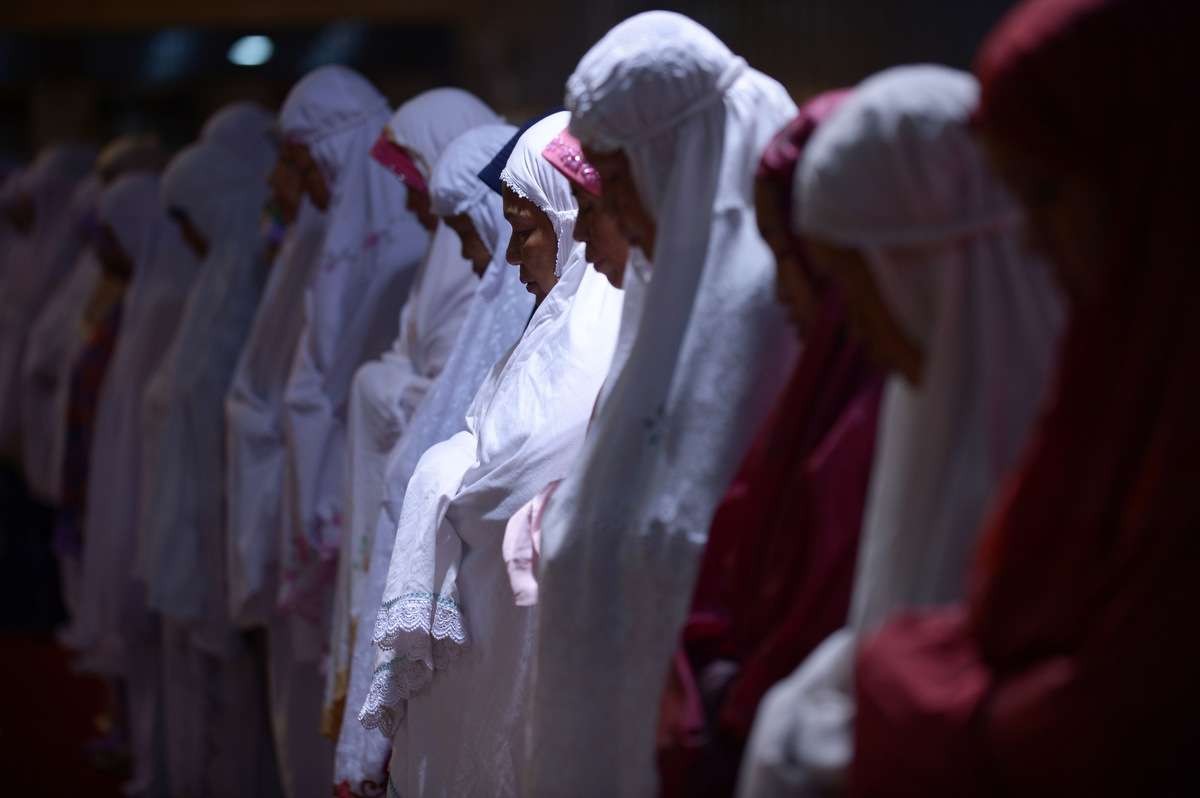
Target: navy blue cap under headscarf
[[490, 174]]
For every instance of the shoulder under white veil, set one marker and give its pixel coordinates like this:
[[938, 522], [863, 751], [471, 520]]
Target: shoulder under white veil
[[896, 174], [622, 537], [494, 322]]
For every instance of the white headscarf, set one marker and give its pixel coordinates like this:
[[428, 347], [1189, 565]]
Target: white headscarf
[[113, 606], [371, 246], [387, 392], [494, 323], [896, 174], [427, 123], [622, 537], [255, 444], [242, 128], [523, 430], [38, 261], [183, 551]]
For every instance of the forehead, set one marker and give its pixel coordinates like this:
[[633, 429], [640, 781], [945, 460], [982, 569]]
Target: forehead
[[606, 161], [517, 207]]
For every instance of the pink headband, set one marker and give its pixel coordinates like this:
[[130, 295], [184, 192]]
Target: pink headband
[[398, 162], [565, 152]]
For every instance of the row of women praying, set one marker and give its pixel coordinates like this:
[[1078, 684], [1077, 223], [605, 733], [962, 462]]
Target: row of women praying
[[684, 442]]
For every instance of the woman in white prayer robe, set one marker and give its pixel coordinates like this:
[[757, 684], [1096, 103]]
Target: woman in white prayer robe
[[455, 650], [498, 313], [368, 257], [899, 206], [675, 124], [388, 391], [216, 723], [114, 631], [256, 452]]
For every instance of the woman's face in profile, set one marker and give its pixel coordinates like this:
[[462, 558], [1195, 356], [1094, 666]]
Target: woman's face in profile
[[533, 246], [473, 249], [607, 250], [871, 320], [114, 260], [286, 183], [621, 199], [793, 288]]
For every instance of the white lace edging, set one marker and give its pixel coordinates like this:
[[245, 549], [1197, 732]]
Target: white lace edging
[[419, 633], [417, 616]]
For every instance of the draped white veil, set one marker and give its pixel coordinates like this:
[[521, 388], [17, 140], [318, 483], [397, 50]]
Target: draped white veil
[[622, 536]]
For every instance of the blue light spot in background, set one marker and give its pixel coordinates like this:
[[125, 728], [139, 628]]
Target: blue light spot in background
[[251, 51]]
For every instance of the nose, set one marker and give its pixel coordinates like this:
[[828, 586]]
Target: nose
[[513, 253]]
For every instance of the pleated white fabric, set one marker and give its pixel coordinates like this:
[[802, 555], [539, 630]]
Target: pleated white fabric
[[368, 257], [388, 391], [896, 174], [622, 536], [455, 651], [255, 444], [58, 185], [498, 312]]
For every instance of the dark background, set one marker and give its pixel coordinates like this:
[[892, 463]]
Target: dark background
[[95, 68]]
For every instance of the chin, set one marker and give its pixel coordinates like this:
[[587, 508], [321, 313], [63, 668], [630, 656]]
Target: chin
[[614, 274]]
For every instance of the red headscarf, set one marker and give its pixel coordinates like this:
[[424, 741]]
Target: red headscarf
[[777, 569], [1073, 669]]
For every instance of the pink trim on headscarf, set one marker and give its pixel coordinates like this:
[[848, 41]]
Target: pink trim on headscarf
[[566, 154], [397, 161]]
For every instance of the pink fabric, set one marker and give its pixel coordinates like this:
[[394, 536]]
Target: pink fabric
[[523, 544], [566, 153], [397, 161]]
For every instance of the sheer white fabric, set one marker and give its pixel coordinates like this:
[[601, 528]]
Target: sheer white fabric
[[255, 445], [182, 541], [114, 605], [523, 534], [363, 273], [115, 631], [455, 651], [56, 338], [896, 174], [183, 552], [622, 537], [498, 313], [387, 392], [38, 261]]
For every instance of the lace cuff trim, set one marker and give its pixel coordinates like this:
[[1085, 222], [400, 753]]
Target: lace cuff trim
[[419, 633]]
